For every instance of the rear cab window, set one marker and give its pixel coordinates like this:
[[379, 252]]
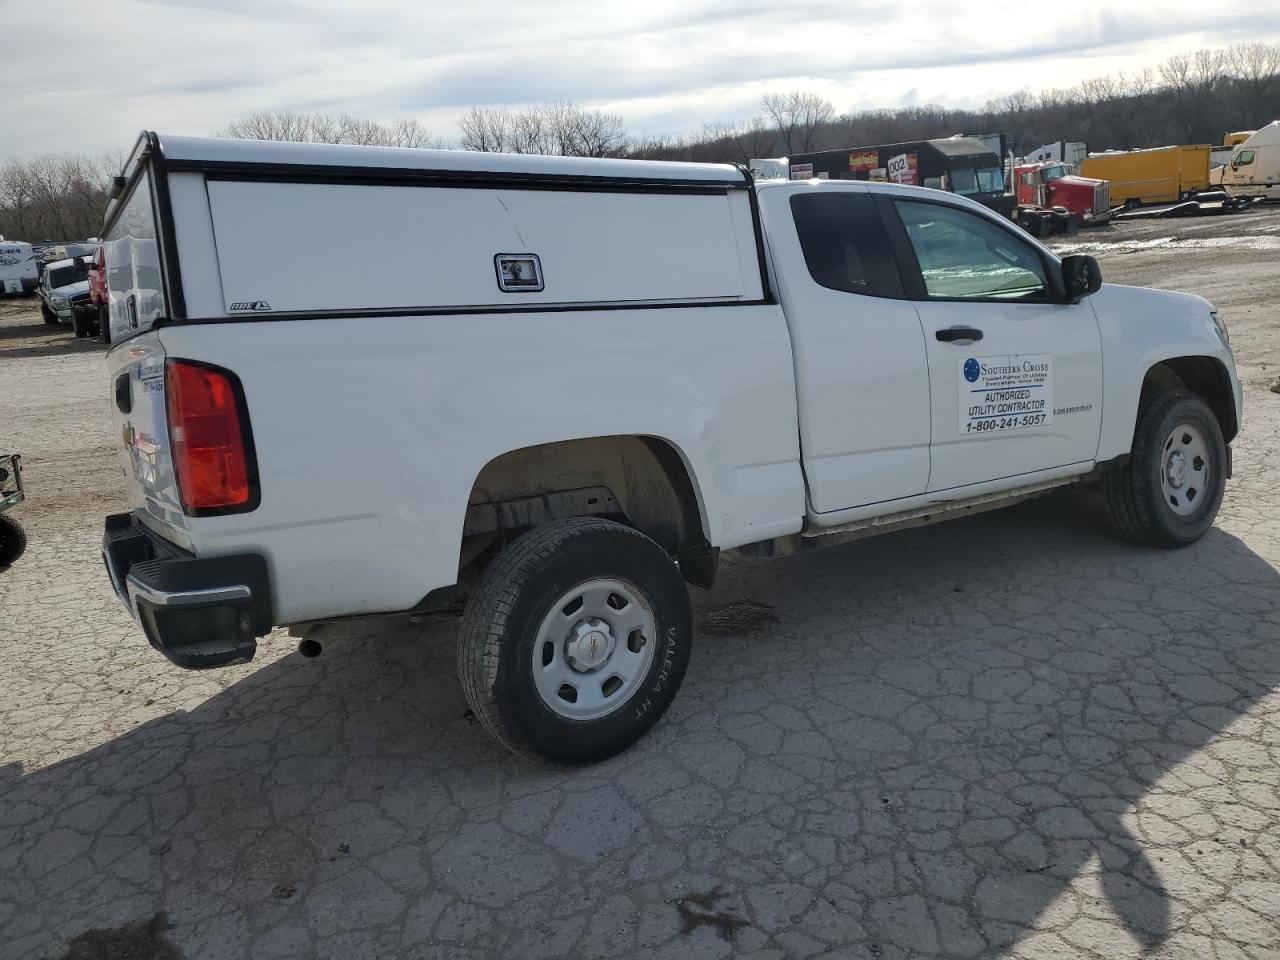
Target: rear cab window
[[845, 244]]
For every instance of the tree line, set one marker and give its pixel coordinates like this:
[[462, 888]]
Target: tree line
[[1193, 97]]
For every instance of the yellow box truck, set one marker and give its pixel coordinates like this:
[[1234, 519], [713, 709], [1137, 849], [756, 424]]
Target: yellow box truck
[[1157, 175]]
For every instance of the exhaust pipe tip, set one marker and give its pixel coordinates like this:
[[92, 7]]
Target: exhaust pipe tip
[[310, 648]]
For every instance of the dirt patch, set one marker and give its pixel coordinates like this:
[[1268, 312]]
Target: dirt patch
[[699, 910], [738, 619], [141, 940]]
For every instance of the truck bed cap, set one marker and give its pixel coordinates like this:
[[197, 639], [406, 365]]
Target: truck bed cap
[[212, 152]]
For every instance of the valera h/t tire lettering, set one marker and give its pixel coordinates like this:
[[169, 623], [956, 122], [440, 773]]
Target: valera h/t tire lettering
[[575, 640]]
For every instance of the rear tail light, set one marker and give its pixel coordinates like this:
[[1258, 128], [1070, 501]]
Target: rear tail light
[[212, 444]]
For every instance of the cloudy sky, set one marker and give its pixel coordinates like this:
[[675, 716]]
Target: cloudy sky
[[87, 75]]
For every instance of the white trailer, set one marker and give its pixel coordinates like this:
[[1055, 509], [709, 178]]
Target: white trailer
[[19, 268]]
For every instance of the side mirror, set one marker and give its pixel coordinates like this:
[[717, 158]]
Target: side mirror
[[1081, 276]]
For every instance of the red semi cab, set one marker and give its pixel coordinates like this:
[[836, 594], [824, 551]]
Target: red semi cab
[[1051, 198]]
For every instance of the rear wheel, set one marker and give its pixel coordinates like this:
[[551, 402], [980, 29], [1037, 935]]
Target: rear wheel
[[79, 322], [104, 324], [13, 540], [575, 640], [1169, 492]]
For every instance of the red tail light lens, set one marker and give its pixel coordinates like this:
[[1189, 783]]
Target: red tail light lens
[[210, 438]]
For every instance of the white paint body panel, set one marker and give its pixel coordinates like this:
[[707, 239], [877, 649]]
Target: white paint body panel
[[371, 430], [434, 246], [1141, 327], [862, 375]]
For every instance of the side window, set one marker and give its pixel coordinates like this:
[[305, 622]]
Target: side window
[[964, 256], [845, 244]]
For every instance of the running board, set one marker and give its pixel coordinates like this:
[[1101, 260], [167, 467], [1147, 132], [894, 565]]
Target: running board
[[936, 512]]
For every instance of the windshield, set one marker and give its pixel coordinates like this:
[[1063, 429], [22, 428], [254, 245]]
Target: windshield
[[61, 276], [984, 180], [1056, 172]]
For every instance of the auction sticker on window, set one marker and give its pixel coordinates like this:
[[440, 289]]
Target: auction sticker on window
[[1005, 393]]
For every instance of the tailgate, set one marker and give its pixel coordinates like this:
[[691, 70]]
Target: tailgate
[[137, 372]]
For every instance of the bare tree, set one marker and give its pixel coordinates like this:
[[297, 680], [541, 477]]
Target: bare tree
[[54, 197], [798, 115], [1191, 81], [558, 128], [1255, 75], [486, 129], [330, 128]]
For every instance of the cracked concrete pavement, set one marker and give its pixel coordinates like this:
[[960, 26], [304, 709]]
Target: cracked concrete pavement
[[1006, 736]]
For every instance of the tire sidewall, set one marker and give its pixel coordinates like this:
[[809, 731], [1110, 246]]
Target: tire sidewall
[[613, 555], [1186, 409], [13, 541]]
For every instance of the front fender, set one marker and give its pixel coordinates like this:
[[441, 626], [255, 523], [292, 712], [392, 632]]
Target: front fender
[[1140, 328]]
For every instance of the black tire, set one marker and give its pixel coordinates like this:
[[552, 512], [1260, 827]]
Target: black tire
[[104, 324], [505, 613], [13, 541], [1136, 503], [49, 316], [79, 323]]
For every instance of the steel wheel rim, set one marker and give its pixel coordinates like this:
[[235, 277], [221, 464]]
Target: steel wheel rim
[[1185, 470], [594, 649]]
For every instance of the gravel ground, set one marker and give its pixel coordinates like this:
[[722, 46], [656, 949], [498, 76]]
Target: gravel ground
[[1005, 736]]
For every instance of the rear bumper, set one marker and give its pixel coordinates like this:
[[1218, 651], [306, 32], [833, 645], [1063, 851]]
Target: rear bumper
[[198, 612]]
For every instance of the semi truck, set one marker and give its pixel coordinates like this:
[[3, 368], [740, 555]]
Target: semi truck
[[1254, 168], [963, 165], [1051, 199], [1155, 175]]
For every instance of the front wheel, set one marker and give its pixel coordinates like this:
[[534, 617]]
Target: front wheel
[[48, 315], [1169, 492], [576, 640]]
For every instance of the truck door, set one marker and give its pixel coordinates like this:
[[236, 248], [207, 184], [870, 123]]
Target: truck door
[[1240, 171], [861, 375], [1015, 374]]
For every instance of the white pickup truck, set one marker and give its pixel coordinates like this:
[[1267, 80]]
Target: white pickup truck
[[545, 393]]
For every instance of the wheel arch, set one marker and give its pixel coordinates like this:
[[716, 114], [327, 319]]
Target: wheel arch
[[1203, 375], [650, 486]]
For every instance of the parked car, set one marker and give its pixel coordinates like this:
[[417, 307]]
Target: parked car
[[64, 292], [13, 538], [98, 319], [19, 272], [563, 398]]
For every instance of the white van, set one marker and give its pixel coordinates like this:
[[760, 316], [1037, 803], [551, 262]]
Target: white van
[[545, 392], [1254, 170], [19, 267]]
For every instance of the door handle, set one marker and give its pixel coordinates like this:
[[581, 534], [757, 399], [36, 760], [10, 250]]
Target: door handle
[[960, 335]]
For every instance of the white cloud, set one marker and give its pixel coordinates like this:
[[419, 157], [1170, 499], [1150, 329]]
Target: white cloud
[[84, 75]]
